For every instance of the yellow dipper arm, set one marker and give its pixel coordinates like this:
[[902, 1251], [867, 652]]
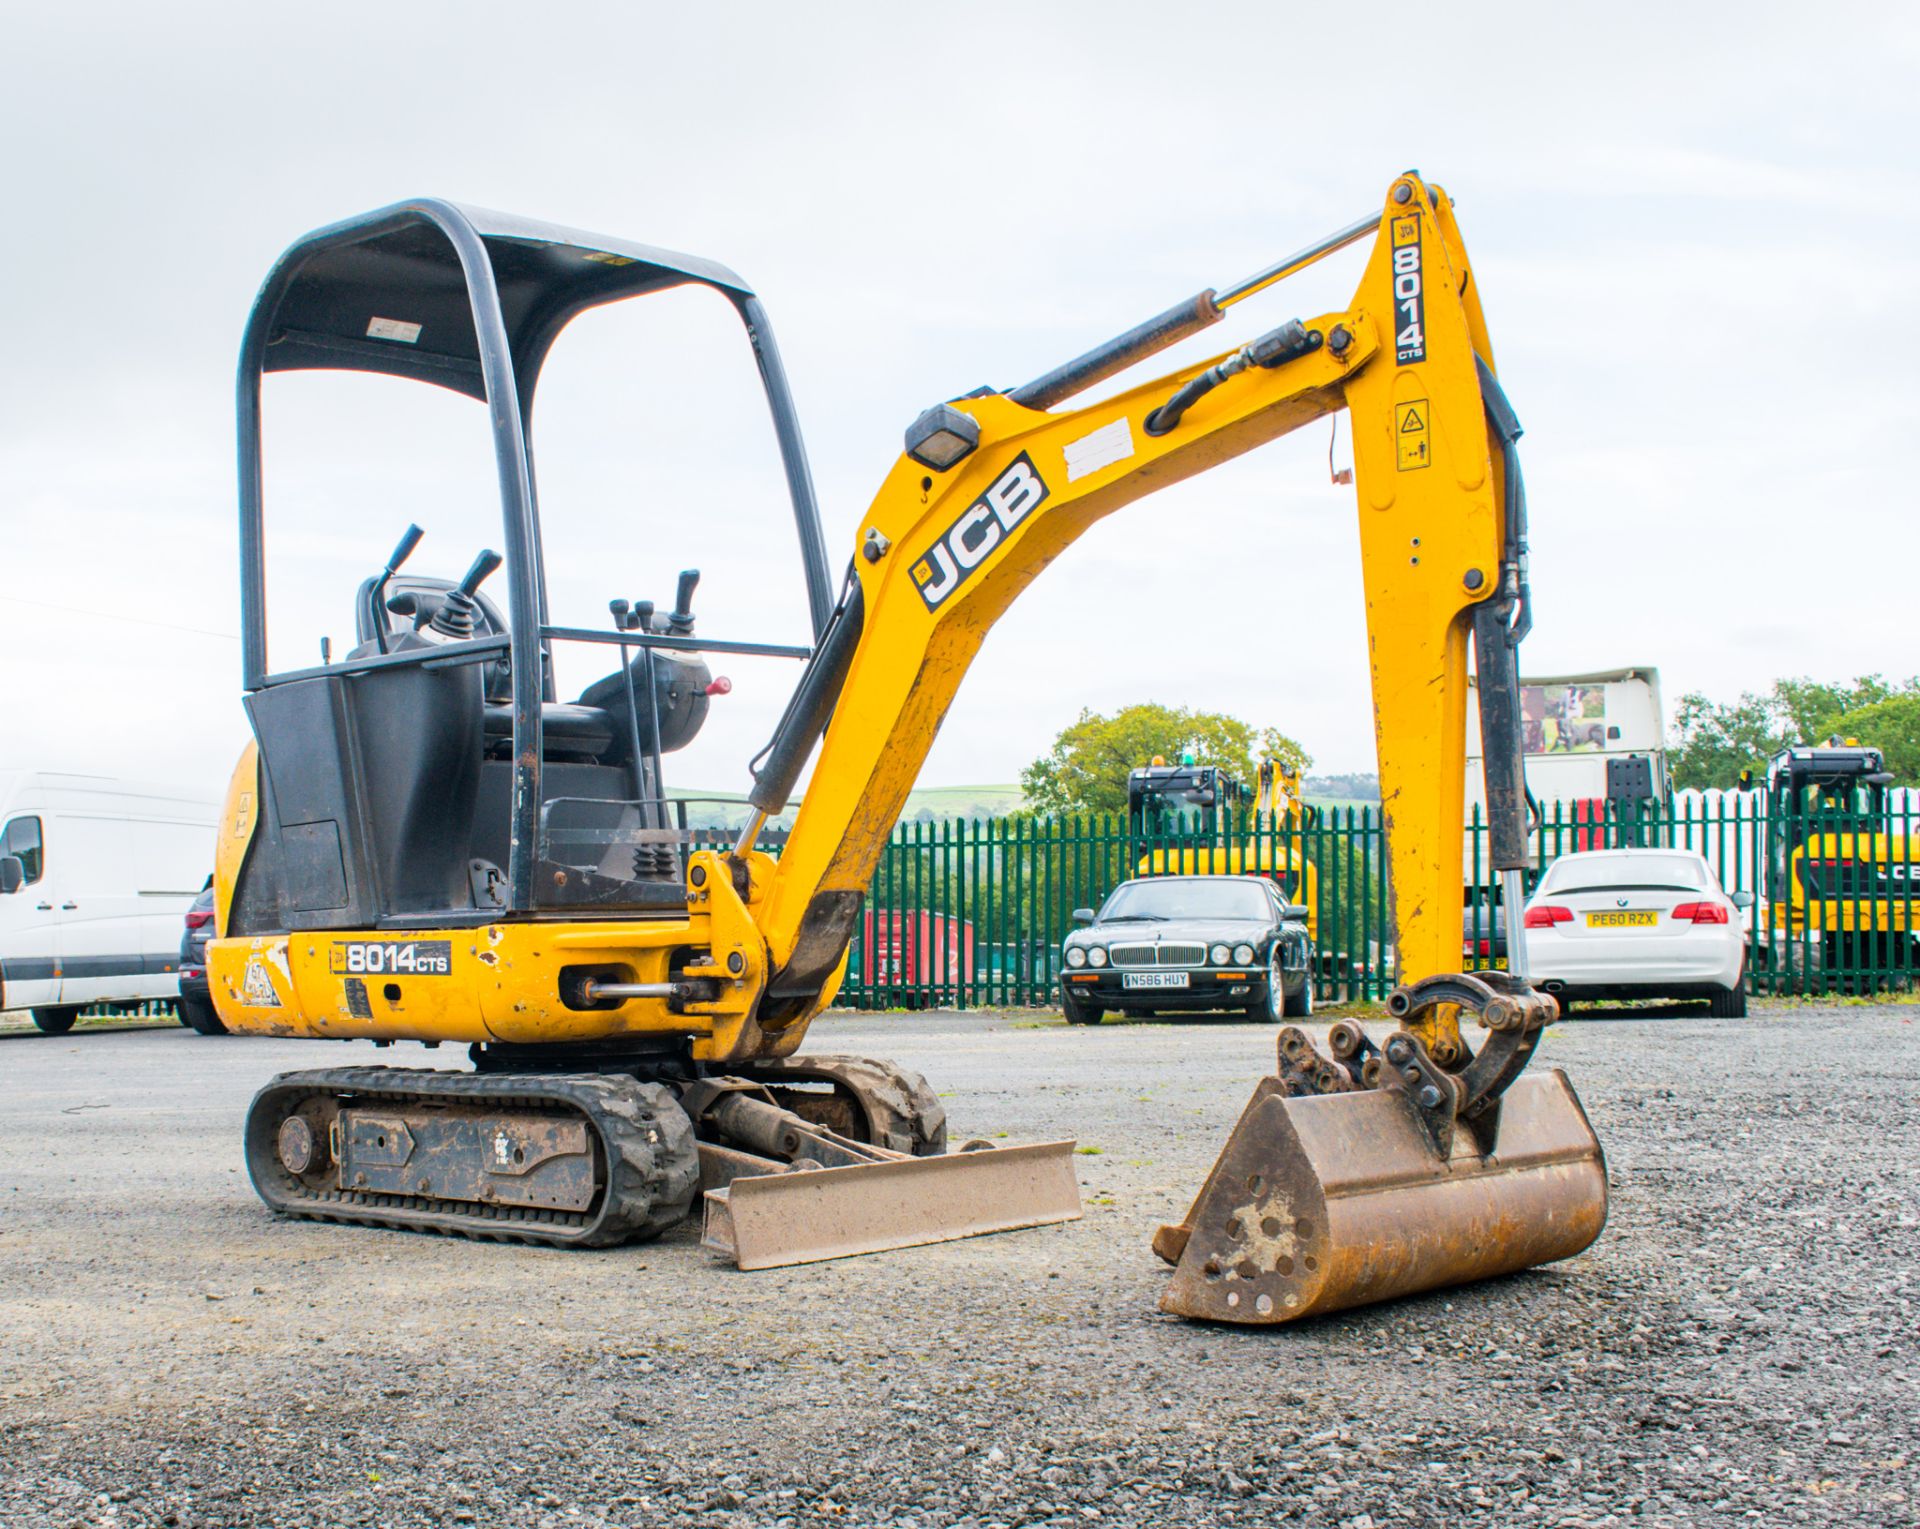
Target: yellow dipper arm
[[942, 554]]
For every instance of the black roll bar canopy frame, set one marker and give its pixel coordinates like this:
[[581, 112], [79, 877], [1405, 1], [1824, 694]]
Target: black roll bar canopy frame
[[473, 300]]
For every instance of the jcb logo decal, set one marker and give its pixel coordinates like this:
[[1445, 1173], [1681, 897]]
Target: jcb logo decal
[[982, 526]]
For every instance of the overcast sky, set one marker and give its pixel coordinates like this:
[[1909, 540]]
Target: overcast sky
[[1696, 237]]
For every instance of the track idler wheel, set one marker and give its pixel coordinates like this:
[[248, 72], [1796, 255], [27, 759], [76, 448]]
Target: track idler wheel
[[1376, 1172]]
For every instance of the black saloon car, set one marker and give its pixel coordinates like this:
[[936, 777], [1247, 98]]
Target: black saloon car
[[1181, 944], [196, 1001]]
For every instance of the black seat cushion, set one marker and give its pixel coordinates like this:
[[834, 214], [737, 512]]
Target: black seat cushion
[[569, 732]]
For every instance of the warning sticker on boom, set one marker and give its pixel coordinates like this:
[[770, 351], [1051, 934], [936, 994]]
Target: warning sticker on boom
[[1412, 435], [1409, 294]]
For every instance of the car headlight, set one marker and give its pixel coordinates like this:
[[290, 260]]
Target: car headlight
[[1243, 955], [1076, 955], [1097, 956], [1220, 955]]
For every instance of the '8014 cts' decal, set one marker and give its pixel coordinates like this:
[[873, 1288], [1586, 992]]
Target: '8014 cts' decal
[[982, 526], [391, 958], [1409, 294]]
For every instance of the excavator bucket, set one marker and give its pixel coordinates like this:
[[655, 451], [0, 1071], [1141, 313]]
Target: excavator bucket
[[800, 1216], [1332, 1194]]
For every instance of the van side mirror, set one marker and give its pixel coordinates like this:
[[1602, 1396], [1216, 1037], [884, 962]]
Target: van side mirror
[[1743, 900], [1083, 915], [13, 873]]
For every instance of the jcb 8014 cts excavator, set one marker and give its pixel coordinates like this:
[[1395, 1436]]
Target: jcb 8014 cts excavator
[[425, 843]]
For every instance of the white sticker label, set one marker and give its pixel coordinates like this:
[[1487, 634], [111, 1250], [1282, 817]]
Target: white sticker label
[[393, 329], [257, 991], [1107, 445]]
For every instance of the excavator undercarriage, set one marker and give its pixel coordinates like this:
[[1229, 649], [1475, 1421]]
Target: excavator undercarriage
[[594, 1158]]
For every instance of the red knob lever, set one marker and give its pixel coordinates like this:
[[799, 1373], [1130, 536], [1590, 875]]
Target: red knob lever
[[720, 686]]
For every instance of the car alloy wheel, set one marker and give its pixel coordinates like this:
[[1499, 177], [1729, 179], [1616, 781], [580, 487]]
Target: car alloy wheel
[[1273, 1007]]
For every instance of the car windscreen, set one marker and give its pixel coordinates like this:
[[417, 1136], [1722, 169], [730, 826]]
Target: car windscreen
[[1176, 898], [1626, 873]]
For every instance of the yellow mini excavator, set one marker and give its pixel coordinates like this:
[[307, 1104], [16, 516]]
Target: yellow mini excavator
[[426, 843], [1157, 795]]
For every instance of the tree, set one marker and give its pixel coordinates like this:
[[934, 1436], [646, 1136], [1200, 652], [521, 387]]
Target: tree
[[1891, 725], [1086, 769], [1715, 741]]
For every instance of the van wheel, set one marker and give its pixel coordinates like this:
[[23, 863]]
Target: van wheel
[[200, 1015], [56, 1021]]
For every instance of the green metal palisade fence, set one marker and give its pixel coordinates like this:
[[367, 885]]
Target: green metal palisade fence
[[971, 913]]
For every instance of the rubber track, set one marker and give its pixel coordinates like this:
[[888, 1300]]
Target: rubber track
[[653, 1166], [903, 1112]]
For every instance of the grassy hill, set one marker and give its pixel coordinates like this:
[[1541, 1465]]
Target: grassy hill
[[927, 804]]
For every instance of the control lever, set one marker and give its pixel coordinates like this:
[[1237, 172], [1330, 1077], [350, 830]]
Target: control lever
[[409, 539], [642, 619], [455, 617], [680, 621]]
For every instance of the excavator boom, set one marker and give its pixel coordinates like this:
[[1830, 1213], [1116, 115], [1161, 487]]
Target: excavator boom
[[1376, 1172], [942, 553]]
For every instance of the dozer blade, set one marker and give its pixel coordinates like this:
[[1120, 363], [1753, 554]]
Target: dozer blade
[[805, 1215], [1341, 1199]]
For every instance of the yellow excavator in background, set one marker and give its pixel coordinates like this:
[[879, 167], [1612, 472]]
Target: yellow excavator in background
[[1273, 847], [425, 843]]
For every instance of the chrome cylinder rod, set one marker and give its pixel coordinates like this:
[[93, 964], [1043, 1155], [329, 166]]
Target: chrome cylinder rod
[[594, 992], [756, 820], [1353, 233], [1513, 892]]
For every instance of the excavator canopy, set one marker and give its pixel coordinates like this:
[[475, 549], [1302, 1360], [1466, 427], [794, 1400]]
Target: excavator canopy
[[473, 300], [395, 291]]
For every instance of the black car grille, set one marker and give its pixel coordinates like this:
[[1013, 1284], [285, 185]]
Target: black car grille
[[1157, 955]]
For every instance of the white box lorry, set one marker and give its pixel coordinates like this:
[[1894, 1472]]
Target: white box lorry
[[95, 879]]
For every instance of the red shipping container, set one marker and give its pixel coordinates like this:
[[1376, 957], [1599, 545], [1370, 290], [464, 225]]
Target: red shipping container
[[914, 948]]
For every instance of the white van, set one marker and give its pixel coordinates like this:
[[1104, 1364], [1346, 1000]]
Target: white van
[[95, 879]]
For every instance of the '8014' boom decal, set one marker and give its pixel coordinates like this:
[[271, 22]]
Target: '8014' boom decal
[[1409, 294], [981, 527]]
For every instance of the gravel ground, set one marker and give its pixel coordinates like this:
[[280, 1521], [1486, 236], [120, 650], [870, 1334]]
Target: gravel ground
[[1738, 1348]]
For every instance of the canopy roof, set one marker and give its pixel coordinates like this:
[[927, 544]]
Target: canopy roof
[[389, 292]]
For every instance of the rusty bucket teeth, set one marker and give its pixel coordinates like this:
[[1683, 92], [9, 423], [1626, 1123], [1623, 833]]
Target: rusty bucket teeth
[[1322, 1203]]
